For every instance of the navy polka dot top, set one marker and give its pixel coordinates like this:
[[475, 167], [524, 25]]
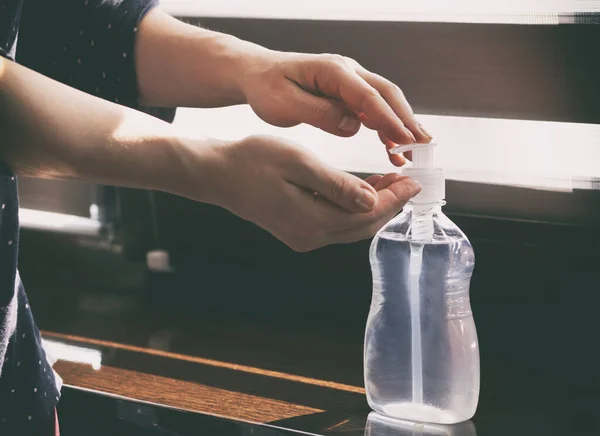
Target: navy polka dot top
[[87, 44]]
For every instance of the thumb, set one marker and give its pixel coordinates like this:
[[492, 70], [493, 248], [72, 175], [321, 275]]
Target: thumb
[[340, 188], [323, 113]]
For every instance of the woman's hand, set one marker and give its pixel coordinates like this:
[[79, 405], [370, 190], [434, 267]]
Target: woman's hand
[[331, 92], [182, 65], [305, 203]]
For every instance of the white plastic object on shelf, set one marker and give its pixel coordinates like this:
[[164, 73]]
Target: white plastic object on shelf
[[158, 261]]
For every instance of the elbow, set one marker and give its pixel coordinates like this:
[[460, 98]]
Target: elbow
[[5, 70], [4, 109], [7, 122], [3, 64], [4, 124], [3, 86]]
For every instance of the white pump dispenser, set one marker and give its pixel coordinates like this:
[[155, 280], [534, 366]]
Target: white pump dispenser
[[431, 179], [433, 191]]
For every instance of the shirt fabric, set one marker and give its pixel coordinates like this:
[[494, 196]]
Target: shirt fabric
[[86, 44]]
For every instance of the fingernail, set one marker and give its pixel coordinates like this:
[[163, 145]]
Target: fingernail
[[348, 124], [366, 200], [410, 134], [425, 132], [414, 186], [399, 159]]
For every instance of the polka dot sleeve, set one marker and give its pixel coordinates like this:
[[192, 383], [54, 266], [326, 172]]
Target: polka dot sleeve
[[87, 44]]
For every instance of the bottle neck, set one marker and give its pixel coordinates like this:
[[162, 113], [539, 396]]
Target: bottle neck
[[434, 207], [423, 217]]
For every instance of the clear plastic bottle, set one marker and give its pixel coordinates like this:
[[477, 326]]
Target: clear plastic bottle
[[421, 352]]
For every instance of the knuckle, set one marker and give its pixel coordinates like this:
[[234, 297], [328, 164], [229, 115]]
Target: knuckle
[[369, 97], [372, 94], [338, 59], [396, 89], [338, 188], [337, 62], [352, 63], [403, 193], [323, 109]]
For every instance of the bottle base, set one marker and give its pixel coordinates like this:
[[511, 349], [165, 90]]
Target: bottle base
[[421, 413]]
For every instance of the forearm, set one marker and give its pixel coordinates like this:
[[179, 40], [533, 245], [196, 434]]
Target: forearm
[[53, 131], [182, 65]]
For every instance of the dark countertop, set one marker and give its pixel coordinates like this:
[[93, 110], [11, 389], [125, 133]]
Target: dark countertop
[[233, 345], [117, 417]]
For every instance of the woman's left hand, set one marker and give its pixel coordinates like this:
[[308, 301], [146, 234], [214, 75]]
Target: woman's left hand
[[333, 93]]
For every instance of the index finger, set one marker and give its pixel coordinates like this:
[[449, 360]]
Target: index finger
[[358, 95], [396, 99]]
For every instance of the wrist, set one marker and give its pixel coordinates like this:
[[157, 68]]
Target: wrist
[[200, 170], [243, 61]]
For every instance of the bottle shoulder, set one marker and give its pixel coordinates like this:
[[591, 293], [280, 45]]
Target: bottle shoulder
[[445, 241], [404, 227]]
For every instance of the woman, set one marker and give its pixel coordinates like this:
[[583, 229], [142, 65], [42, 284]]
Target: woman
[[71, 109]]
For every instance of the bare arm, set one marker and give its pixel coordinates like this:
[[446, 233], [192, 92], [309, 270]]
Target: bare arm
[[51, 130], [179, 64]]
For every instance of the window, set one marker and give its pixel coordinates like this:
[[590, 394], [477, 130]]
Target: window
[[503, 100], [534, 154]]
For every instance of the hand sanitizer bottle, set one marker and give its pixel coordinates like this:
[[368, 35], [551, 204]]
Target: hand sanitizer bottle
[[421, 352]]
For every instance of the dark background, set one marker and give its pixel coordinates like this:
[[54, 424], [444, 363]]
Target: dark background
[[535, 291]]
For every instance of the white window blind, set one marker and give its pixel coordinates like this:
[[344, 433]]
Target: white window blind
[[508, 11]]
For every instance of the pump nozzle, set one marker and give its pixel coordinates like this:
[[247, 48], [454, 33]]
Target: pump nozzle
[[422, 170], [422, 153]]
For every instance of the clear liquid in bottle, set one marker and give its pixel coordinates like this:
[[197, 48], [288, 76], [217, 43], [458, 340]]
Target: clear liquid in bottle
[[421, 351]]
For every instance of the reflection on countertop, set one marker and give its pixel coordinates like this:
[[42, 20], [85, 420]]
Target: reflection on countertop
[[381, 425]]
